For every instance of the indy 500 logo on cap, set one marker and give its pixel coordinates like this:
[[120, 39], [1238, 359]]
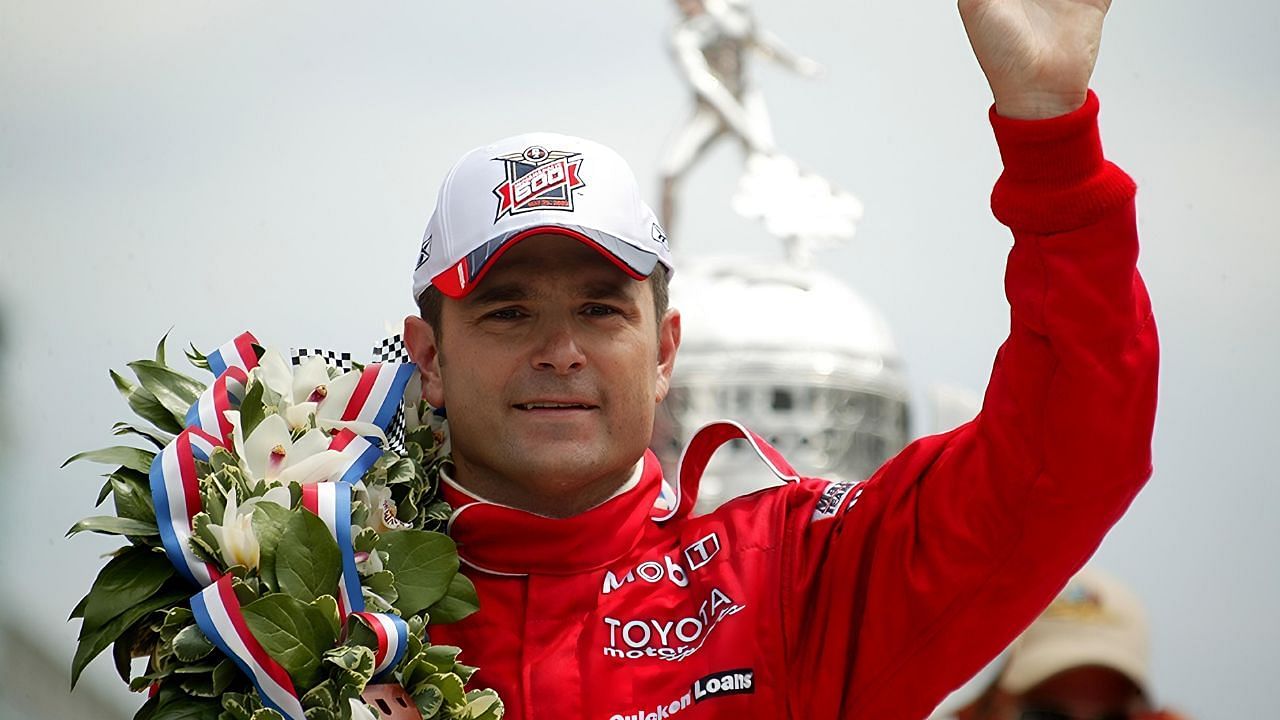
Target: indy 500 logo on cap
[[538, 179]]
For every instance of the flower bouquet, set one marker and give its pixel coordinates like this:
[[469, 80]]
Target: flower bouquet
[[284, 551]]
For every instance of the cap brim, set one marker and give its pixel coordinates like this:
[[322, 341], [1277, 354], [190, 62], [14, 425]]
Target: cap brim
[[1031, 666], [463, 276]]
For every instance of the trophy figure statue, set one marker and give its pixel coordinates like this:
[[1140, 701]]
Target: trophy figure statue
[[710, 46], [790, 351]]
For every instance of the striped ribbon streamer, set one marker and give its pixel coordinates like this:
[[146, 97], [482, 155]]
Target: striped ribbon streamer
[[218, 614], [378, 393], [175, 490], [358, 453], [331, 502], [235, 353], [209, 410], [393, 636]]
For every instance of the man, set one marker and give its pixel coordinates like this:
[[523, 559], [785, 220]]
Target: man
[[544, 333], [1085, 658]]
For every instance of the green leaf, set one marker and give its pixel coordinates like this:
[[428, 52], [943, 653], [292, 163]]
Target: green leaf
[[146, 405], [423, 563], [328, 605], [252, 411], [269, 520], [236, 706], [160, 346], [429, 699], [223, 675], [185, 707], [366, 540], [129, 578], [442, 657], [400, 471], [450, 686], [133, 496], [460, 601], [484, 705], [293, 633], [309, 564], [175, 391], [137, 641], [103, 493], [112, 525], [97, 640], [174, 621], [155, 437], [320, 696], [197, 358], [190, 644], [130, 457], [78, 610]]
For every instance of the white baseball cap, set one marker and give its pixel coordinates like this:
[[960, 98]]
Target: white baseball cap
[[535, 184], [1095, 620]]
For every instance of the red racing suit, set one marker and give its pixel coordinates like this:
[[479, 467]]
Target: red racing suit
[[873, 600]]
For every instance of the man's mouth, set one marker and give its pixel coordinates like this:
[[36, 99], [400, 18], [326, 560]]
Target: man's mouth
[[553, 406]]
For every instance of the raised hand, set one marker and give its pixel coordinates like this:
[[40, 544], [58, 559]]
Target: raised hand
[[1038, 55]]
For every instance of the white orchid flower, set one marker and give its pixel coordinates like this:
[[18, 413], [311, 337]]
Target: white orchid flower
[[271, 455], [300, 390], [382, 510], [236, 540]]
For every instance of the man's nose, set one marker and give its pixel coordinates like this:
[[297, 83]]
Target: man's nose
[[558, 350]]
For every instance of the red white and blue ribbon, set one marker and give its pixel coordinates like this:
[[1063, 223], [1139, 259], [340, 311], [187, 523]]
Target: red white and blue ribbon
[[393, 636], [378, 393], [358, 454], [237, 353], [218, 614], [175, 490], [331, 502], [209, 412]]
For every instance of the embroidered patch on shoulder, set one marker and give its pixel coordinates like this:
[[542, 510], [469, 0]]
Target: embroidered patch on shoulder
[[832, 498]]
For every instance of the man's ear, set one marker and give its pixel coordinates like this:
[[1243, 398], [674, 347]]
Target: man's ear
[[668, 344], [420, 339]]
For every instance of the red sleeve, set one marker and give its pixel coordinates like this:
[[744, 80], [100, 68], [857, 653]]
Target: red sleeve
[[927, 570]]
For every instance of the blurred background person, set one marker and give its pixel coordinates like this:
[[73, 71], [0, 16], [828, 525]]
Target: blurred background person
[[1087, 657]]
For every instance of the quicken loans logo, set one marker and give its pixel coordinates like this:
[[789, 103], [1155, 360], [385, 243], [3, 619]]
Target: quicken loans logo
[[725, 682]]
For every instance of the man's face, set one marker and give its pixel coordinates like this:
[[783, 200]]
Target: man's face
[[1086, 693], [1083, 693], [550, 371]]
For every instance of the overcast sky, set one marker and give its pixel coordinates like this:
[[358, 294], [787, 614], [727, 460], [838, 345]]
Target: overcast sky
[[219, 166]]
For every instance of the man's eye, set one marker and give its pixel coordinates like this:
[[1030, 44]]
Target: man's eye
[[506, 314], [600, 310]]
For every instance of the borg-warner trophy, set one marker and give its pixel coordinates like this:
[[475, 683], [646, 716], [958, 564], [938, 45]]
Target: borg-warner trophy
[[793, 353]]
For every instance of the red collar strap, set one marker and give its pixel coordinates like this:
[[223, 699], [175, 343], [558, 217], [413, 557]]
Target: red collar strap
[[506, 541]]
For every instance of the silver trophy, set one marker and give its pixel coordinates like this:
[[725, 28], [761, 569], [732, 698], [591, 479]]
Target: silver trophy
[[793, 353]]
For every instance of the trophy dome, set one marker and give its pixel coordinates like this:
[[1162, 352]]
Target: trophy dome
[[794, 354]]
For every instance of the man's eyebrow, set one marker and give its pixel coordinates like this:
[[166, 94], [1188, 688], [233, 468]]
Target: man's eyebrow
[[604, 290], [501, 292]]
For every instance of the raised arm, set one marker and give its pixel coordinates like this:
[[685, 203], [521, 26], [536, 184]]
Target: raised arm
[[939, 560]]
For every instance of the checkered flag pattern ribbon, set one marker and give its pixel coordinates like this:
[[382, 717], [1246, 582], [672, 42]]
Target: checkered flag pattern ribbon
[[388, 350], [340, 360]]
